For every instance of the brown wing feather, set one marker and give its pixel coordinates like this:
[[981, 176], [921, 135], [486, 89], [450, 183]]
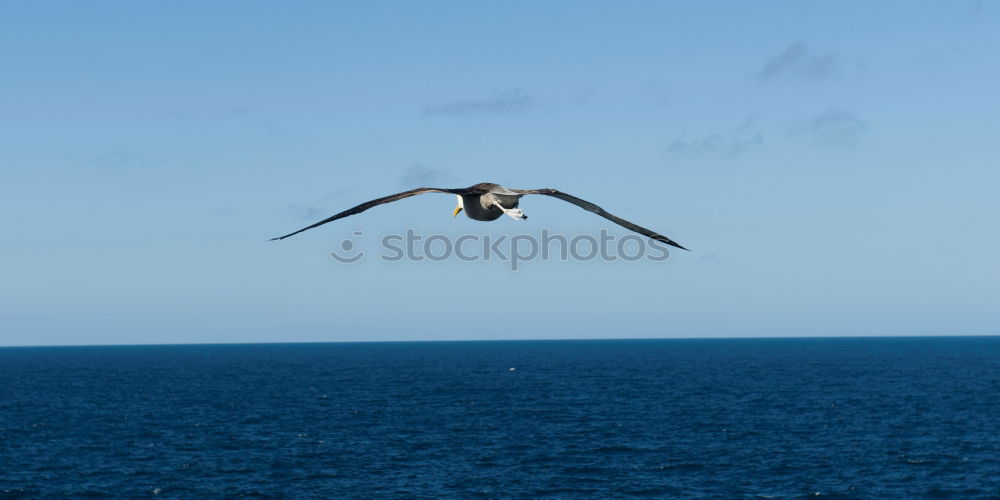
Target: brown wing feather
[[590, 207], [369, 204]]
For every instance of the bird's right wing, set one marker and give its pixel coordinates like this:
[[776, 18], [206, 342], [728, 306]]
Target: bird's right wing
[[369, 204], [590, 207]]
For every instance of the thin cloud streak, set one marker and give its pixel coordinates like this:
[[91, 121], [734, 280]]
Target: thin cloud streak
[[737, 143], [303, 212], [796, 62], [418, 175], [499, 102], [117, 160], [834, 128]]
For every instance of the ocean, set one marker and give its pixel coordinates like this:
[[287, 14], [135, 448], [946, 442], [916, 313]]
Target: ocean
[[749, 418]]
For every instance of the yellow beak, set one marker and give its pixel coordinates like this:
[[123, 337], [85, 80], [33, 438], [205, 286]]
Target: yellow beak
[[457, 210]]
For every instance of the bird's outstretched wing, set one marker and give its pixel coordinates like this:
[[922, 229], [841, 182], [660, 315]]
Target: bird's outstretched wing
[[590, 207], [369, 204]]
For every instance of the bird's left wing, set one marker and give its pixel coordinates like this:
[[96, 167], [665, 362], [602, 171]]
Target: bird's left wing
[[369, 204], [590, 207]]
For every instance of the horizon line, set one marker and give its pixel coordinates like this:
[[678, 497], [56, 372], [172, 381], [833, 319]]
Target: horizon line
[[594, 339]]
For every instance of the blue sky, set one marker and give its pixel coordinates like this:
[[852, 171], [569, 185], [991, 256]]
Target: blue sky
[[832, 165]]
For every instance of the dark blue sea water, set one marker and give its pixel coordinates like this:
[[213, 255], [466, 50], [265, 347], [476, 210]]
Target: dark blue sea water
[[767, 418]]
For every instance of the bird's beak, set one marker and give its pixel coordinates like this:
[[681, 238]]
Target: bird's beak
[[457, 210]]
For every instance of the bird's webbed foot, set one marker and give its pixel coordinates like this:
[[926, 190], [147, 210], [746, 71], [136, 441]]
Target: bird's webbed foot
[[515, 213]]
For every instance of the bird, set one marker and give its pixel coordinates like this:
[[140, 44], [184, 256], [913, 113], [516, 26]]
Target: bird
[[486, 202]]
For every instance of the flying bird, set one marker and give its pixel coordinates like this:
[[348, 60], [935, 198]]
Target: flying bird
[[486, 201]]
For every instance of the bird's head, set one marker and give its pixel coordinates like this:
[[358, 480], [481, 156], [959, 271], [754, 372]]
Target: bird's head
[[459, 207]]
